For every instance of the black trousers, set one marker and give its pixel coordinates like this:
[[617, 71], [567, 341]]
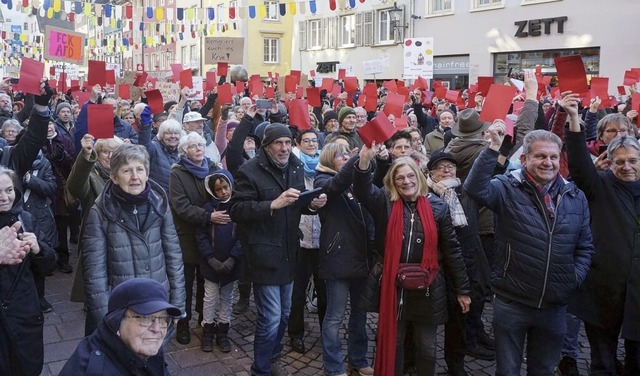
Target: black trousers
[[191, 274], [604, 346], [307, 266]]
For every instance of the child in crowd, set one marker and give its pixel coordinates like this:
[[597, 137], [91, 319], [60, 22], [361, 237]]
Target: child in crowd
[[220, 258]]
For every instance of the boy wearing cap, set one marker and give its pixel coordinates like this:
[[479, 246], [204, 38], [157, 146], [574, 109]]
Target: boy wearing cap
[[129, 340]]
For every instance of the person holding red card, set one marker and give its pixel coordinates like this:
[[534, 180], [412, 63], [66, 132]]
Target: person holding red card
[[435, 140]]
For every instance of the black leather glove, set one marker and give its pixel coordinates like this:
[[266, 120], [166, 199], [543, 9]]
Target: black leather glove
[[506, 146], [227, 265], [215, 265], [44, 98], [224, 112]]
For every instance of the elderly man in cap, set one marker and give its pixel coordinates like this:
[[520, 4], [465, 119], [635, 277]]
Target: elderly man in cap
[[264, 208], [129, 340], [347, 119]]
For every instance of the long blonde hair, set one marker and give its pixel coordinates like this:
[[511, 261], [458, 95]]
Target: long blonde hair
[[389, 183]]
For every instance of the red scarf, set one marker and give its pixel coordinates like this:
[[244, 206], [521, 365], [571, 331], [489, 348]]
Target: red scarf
[[387, 320]]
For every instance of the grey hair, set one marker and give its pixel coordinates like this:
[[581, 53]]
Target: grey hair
[[612, 118], [622, 142], [244, 99], [169, 125], [126, 153], [2, 95], [10, 173], [11, 122], [185, 140], [539, 135]]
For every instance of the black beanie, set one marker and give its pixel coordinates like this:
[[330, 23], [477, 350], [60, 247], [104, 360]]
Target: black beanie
[[275, 131]]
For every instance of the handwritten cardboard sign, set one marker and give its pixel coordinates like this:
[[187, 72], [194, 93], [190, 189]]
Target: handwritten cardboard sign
[[226, 49], [64, 45]]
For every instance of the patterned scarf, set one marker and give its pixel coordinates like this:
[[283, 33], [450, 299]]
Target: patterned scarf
[[446, 189], [547, 191]]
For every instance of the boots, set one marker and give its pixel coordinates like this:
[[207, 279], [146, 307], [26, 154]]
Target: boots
[[63, 261], [223, 339], [244, 288], [183, 335], [208, 333]]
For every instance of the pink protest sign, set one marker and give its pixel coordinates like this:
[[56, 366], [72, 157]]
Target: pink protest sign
[[64, 45]]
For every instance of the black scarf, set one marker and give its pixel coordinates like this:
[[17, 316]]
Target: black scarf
[[102, 171], [128, 198], [629, 194]]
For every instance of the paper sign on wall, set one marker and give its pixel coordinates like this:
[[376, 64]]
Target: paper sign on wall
[[418, 58]]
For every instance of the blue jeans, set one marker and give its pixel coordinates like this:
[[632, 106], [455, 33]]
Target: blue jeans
[[544, 330], [273, 303], [338, 291], [570, 345]]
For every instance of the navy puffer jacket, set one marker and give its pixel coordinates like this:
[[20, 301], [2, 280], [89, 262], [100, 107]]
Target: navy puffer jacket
[[161, 157]]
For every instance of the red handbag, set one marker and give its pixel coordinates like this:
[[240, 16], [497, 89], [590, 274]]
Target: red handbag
[[415, 277]]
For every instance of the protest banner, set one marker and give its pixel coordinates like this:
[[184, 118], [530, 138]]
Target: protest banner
[[418, 58], [64, 45], [227, 49]]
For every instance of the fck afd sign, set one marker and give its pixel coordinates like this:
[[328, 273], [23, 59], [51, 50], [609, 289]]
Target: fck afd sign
[[64, 45]]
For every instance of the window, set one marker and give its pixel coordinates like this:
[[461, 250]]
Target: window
[[183, 54], [439, 7], [193, 53], [477, 5], [347, 30], [271, 50], [315, 37], [272, 10], [386, 31]]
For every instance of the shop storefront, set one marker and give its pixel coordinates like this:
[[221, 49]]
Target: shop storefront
[[452, 69], [516, 62]]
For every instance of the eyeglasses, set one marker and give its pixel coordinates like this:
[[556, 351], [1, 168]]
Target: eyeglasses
[[622, 162], [196, 146], [339, 155], [310, 140], [445, 167], [147, 320], [401, 178]]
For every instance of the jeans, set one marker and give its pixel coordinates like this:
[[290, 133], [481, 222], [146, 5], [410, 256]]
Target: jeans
[[604, 346], [307, 266], [338, 291], [424, 336], [570, 345], [544, 330], [273, 303], [218, 302]]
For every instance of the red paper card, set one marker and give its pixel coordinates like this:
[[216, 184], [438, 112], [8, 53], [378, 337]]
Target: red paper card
[[471, 99], [222, 69], [404, 91], [484, 83], [296, 73], [622, 90], [62, 82], [510, 123], [600, 87], [31, 72], [391, 86], [441, 92], [422, 84], [299, 92], [327, 84], [239, 87], [635, 102], [211, 82], [394, 104], [124, 91], [379, 130], [517, 107], [312, 73], [436, 84], [269, 92], [336, 90], [497, 102], [75, 83], [313, 96], [110, 77], [256, 88], [97, 73], [81, 96], [290, 83], [370, 90], [341, 74], [100, 120], [555, 93], [155, 101], [452, 96], [141, 79], [186, 79], [176, 69], [427, 98], [371, 103], [571, 74], [631, 77], [152, 82], [224, 94], [401, 122], [299, 114], [351, 85]]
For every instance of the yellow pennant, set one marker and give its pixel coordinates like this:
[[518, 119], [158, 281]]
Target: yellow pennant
[[50, 13], [292, 9], [57, 5], [262, 11], [160, 14], [87, 9]]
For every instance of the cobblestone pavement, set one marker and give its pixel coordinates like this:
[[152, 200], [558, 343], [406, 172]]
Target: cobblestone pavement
[[64, 327]]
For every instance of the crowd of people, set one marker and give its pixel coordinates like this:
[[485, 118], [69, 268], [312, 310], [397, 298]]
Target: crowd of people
[[207, 201]]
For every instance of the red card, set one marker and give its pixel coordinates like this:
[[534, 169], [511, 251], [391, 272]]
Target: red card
[[571, 74], [52, 71], [124, 91], [296, 73], [81, 96], [223, 68], [497, 102], [239, 87], [400, 84], [517, 107], [269, 92], [427, 98], [351, 85], [176, 69], [62, 82], [313, 96], [436, 84], [312, 73], [211, 82], [379, 130], [441, 92], [96, 75], [600, 87], [256, 88], [371, 103], [452, 96], [555, 93], [141, 79], [75, 83], [152, 82], [391, 86], [484, 83], [290, 83], [299, 114], [510, 123], [471, 99], [327, 84], [422, 84], [631, 77], [186, 79], [31, 72], [401, 122], [299, 92], [100, 120], [394, 104], [370, 90], [621, 90], [635, 101], [110, 77], [224, 94], [404, 91], [155, 101], [461, 103], [342, 73]]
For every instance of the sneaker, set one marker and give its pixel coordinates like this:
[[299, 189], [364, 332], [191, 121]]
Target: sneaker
[[278, 368], [480, 352], [364, 371], [568, 367], [45, 306]]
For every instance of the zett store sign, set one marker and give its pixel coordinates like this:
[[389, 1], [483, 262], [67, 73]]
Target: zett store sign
[[535, 28]]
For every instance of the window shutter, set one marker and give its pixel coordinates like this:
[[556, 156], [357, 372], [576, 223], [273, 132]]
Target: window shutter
[[398, 33], [323, 32], [302, 32], [358, 29], [333, 32], [367, 29]]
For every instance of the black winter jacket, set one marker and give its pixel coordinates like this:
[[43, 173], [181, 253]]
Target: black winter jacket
[[161, 157]]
